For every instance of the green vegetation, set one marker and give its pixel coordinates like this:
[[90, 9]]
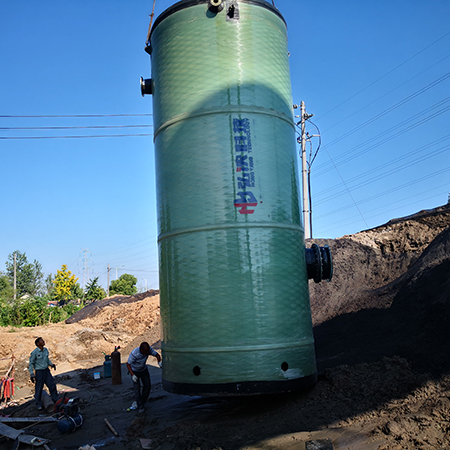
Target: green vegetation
[[66, 286], [125, 285], [39, 300], [29, 276], [32, 312], [93, 291]]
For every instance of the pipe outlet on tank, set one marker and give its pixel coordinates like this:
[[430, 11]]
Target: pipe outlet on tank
[[146, 87], [232, 10], [319, 263], [216, 6]]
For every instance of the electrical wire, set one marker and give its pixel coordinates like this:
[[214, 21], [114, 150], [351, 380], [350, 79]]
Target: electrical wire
[[385, 174], [389, 191], [77, 128], [386, 74], [320, 142], [385, 95], [391, 162], [75, 137], [72, 115], [350, 219], [391, 108], [351, 154], [348, 191]]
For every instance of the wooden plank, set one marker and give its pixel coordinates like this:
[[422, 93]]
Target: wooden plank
[[32, 440], [9, 432], [111, 428], [27, 419], [18, 435]]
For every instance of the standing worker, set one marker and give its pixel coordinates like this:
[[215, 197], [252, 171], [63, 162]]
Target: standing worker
[[139, 372], [40, 373]]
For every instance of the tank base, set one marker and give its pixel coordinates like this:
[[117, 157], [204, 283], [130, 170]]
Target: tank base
[[244, 388]]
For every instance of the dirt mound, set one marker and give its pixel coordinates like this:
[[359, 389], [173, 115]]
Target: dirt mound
[[370, 266], [124, 321], [96, 307], [406, 313]]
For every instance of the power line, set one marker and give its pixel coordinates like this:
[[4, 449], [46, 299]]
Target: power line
[[75, 137], [77, 128], [380, 194], [348, 191], [398, 159], [351, 155], [386, 74], [392, 108], [73, 115], [386, 94], [385, 174], [351, 219]]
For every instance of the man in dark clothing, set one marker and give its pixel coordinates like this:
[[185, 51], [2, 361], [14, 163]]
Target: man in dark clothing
[[40, 373], [139, 372]]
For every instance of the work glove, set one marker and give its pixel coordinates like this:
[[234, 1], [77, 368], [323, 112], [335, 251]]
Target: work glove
[[53, 366], [33, 378], [134, 378]]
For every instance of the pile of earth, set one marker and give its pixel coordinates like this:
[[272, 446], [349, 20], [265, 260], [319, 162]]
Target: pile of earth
[[390, 295], [122, 316], [118, 321]]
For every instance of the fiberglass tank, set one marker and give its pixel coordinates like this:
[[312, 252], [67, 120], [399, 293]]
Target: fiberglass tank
[[233, 274]]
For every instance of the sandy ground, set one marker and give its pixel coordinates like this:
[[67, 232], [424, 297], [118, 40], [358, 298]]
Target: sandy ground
[[381, 327], [382, 405]]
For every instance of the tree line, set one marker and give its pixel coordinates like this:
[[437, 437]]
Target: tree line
[[29, 303]]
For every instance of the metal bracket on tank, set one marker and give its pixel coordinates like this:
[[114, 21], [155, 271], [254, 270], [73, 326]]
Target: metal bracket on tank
[[232, 10], [319, 263]]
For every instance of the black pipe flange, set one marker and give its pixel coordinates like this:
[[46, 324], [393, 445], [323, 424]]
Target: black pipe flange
[[216, 6], [319, 263], [146, 87]]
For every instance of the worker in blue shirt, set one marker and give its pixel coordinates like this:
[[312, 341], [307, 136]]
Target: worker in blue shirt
[[139, 372], [40, 373]]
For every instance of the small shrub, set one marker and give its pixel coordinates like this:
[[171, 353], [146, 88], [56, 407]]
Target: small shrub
[[32, 312]]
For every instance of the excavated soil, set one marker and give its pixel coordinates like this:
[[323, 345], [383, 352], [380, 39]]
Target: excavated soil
[[381, 327]]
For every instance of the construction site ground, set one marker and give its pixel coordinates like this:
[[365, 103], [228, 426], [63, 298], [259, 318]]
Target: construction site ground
[[382, 328], [381, 405]]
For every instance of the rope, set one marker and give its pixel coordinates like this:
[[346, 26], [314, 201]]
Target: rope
[[147, 42]]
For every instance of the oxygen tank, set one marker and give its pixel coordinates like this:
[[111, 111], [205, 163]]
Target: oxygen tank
[[116, 368]]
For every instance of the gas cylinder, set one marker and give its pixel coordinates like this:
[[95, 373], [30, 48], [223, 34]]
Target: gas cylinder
[[116, 369], [107, 366]]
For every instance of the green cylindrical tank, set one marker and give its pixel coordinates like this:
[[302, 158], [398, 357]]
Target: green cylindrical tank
[[233, 277]]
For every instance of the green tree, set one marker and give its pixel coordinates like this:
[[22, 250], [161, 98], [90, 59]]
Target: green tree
[[66, 286], [6, 290], [77, 291], [93, 291], [49, 286], [29, 276], [125, 285]]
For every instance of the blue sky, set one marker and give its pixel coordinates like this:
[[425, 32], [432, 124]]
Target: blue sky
[[376, 76]]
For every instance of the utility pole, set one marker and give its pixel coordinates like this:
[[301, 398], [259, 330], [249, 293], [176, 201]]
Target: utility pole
[[107, 288], [306, 206], [15, 275]]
